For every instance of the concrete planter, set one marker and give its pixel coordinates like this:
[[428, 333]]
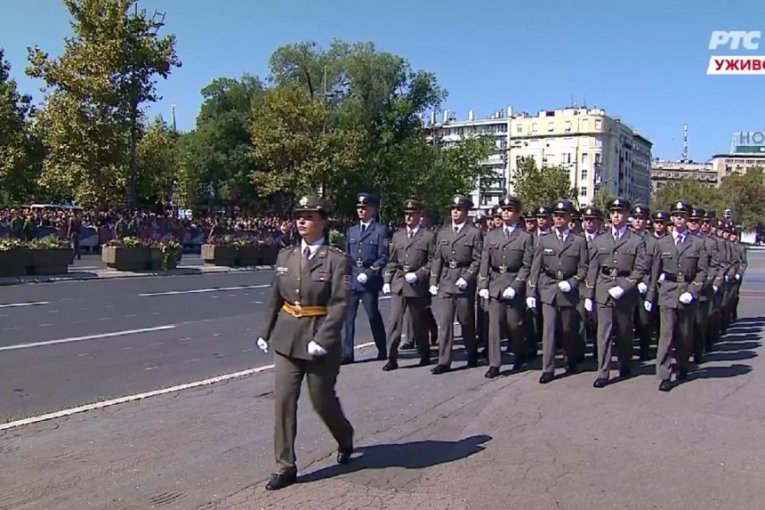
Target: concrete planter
[[15, 262], [155, 259], [127, 258], [219, 255], [51, 260]]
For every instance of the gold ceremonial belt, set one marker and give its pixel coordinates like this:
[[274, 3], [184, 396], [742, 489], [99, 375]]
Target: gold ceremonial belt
[[304, 311]]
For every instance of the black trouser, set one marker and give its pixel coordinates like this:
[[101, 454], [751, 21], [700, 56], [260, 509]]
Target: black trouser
[[416, 306]]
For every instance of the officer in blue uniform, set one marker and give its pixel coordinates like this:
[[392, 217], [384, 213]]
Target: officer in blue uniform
[[366, 243]]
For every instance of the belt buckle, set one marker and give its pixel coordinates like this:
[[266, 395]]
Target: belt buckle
[[502, 269], [680, 278], [559, 275], [452, 264], [359, 263], [614, 272]]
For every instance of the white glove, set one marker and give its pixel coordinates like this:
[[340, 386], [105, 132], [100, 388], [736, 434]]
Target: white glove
[[589, 305], [410, 277], [315, 349], [738, 276], [643, 288], [727, 277], [362, 278], [715, 288], [531, 302], [484, 293], [262, 345], [461, 284], [386, 288], [433, 290], [616, 292], [662, 277], [564, 286], [648, 306], [686, 297], [508, 293]]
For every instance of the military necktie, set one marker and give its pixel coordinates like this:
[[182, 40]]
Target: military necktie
[[363, 228], [456, 229], [410, 234]]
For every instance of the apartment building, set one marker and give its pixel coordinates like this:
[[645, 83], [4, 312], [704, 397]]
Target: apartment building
[[600, 152], [666, 172]]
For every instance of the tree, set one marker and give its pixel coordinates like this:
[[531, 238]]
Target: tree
[[535, 186], [293, 152], [689, 190], [603, 199], [95, 92], [157, 163], [745, 195], [18, 165], [222, 141]]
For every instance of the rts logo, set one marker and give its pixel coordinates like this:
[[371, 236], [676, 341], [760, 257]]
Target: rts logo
[[736, 64], [735, 39]]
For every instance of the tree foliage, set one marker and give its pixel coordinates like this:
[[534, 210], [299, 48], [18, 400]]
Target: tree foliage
[[745, 195], [535, 186], [106, 72], [690, 190], [19, 166], [157, 163]]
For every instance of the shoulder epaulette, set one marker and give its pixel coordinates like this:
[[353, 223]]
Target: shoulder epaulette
[[335, 249]]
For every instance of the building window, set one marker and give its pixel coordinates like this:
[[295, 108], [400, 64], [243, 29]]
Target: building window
[[568, 126], [550, 127], [583, 191], [598, 123], [519, 129], [598, 158], [585, 159], [584, 174], [534, 127]]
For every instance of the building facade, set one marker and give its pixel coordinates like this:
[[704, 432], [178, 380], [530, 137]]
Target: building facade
[[599, 152], [724, 165], [667, 172]]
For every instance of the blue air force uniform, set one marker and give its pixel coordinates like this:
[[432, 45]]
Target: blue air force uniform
[[367, 247]]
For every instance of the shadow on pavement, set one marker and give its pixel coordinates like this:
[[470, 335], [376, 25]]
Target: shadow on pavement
[[719, 372], [414, 455]]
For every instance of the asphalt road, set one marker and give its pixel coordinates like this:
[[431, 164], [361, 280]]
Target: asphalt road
[[73, 343], [455, 441]]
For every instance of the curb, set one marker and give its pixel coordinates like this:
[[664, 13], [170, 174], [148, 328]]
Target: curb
[[118, 275]]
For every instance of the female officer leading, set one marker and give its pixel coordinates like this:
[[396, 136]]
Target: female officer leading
[[303, 325]]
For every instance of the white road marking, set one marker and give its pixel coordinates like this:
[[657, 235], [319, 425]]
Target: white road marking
[[130, 316], [126, 348], [104, 318], [52, 311], [19, 305], [150, 368], [45, 325], [140, 396], [202, 291], [11, 329], [87, 337], [82, 354]]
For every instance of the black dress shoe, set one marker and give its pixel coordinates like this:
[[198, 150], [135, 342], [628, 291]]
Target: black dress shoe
[[439, 369], [472, 360], [492, 373], [381, 356], [406, 346], [424, 362], [625, 373], [665, 385], [390, 365], [280, 481], [600, 383], [344, 455], [682, 374], [546, 378]]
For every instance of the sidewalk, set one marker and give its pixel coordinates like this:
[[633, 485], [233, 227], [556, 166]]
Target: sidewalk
[[109, 273]]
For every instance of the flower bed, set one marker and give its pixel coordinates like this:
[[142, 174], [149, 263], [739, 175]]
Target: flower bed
[[48, 255], [133, 254], [14, 258], [241, 251]]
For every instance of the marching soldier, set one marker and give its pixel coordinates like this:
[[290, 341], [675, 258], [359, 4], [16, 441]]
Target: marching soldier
[[453, 276], [701, 338], [559, 266], [533, 326], [729, 262], [617, 265], [592, 224], [742, 262], [709, 230], [406, 280], [678, 275], [643, 318], [303, 326], [367, 246], [543, 215], [575, 225], [482, 305], [496, 217], [505, 264]]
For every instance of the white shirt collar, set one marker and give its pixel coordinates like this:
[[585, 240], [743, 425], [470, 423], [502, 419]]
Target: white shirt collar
[[509, 229], [458, 226], [411, 230], [367, 224], [591, 235], [543, 232], [311, 247], [563, 234], [676, 234]]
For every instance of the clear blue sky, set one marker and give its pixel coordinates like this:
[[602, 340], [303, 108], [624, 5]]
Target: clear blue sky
[[642, 61]]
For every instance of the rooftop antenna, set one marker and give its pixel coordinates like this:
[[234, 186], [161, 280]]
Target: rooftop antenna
[[685, 142]]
